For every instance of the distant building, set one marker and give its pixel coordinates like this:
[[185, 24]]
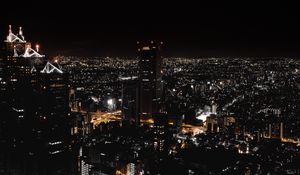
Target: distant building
[[275, 127], [212, 124], [160, 131], [150, 79], [129, 95], [214, 108], [227, 124], [275, 130]]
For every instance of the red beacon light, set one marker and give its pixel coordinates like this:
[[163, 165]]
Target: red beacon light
[[37, 47]]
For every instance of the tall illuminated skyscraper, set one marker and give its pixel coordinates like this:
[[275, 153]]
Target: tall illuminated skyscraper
[[13, 64], [53, 107], [150, 79], [15, 87], [33, 98]]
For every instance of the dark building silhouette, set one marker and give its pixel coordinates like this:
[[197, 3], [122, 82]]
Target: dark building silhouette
[[53, 107], [129, 95], [15, 88], [33, 99], [150, 79]]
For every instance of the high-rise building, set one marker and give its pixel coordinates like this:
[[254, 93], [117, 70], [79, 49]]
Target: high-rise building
[[150, 79], [15, 88], [129, 94], [33, 98], [53, 106], [160, 131], [13, 65]]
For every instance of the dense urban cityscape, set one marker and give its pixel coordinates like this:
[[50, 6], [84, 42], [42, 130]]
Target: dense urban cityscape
[[147, 114]]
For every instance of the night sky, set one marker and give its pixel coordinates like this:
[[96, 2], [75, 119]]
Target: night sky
[[187, 29]]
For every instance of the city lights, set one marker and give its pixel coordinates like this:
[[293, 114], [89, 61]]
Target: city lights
[[222, 97]]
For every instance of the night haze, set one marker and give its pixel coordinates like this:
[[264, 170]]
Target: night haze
[[187, 29]]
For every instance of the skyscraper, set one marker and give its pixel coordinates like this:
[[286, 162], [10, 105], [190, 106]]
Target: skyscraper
[[53, 107], [14, 87], [160, 131], [129, 95], [33, 98], [150, 79]]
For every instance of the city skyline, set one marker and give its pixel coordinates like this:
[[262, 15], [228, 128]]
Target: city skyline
[[90, 88], [87, 29]]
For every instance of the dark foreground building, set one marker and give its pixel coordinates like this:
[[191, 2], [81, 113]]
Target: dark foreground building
[[34, 107]]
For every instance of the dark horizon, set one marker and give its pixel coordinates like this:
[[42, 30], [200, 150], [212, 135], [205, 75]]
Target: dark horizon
[[89, 29]]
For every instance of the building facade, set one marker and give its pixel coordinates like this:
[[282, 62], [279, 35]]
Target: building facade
[[150, 79]]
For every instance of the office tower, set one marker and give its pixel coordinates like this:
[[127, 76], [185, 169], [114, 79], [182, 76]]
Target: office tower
[[275, 126], [15, 87], [17, 62], [129, 94], [174, 114], [160, 131], [276, 130], [33, 98], [150, 79], [53, 107], [13, 64]]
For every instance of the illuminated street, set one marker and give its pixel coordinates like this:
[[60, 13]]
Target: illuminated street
[[105, 117]]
